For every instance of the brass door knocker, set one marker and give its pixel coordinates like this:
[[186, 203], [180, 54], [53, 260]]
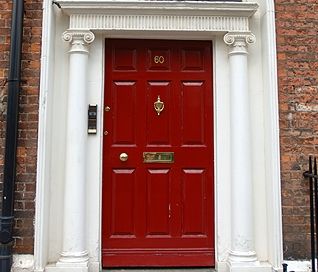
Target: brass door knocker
[[159, 105]]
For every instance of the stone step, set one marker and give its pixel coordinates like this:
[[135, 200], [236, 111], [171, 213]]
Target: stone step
[[160, 270]]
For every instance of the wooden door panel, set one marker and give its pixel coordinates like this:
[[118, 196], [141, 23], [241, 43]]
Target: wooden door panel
[[124, 59], [123, 202], [193, 118], [158, 126], [193, 59], [158, 202], [158, 214], [194, 202], [124, 112], [159, 59]]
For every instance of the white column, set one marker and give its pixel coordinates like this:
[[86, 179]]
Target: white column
[[74, 256], [242, 253]]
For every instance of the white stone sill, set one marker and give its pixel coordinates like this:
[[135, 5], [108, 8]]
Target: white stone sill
[[25, 263], [22, 263], [299, 266]]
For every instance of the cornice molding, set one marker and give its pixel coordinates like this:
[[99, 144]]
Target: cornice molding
[[169, 7], [101, 15]]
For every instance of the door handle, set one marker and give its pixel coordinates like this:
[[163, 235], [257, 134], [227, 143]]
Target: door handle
[[123, 157]]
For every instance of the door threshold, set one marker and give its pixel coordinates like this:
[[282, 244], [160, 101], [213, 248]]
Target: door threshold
[[159, 270]]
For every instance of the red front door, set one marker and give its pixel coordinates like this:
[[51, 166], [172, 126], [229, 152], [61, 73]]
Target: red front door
[[158, 154]]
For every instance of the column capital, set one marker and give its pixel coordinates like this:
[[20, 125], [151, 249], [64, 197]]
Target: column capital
[[239, 41], [79, 40]]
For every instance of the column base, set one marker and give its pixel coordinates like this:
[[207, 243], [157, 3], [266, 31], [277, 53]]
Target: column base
[[65, 269], [249, 267], [72, 262], [71, 258], [242, 257], [92, 267]]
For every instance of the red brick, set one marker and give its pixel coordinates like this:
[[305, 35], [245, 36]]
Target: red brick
[[298, 92], [27, 142]]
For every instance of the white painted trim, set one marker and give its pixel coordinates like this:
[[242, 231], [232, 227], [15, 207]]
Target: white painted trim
[[175, 16], [44, 148], [272, 141], [155, 22], [272, 150], [166, 7]]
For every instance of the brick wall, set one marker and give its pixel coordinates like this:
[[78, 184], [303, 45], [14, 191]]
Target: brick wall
[[28, 116], [297, 40]]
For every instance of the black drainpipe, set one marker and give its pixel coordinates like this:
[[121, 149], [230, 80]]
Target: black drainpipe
[[9, 172]]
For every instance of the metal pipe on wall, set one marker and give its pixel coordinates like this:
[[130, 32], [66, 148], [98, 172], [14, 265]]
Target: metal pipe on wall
[[9, 173]]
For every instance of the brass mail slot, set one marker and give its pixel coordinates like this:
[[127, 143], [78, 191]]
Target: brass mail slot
[[158, 157]]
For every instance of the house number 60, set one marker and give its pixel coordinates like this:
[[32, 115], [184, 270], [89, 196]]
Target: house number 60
[[159, 59]]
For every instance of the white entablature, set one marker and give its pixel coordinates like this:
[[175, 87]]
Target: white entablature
[[153, 16]]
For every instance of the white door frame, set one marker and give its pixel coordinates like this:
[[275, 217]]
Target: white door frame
[[182, 20]]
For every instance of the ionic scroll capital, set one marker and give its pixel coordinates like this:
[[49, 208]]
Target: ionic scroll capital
[[79, 40], [239, 41]]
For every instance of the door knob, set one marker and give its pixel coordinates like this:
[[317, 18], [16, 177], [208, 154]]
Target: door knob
[[123, 156]]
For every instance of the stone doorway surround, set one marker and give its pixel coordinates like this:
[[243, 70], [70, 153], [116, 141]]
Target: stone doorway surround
[[248, 219]]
